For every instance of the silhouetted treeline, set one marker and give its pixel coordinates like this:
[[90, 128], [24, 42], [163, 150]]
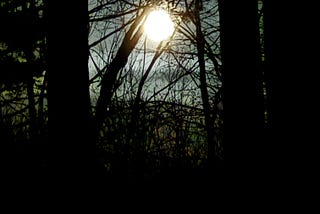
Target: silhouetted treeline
[[23, 81], [84, 95]]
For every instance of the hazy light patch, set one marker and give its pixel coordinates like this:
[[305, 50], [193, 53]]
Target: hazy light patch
[[158, 25]]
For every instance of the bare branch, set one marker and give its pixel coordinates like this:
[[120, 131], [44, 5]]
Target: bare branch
[[110, 34], [113, 16]]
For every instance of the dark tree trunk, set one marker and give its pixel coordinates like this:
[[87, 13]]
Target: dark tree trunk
[[109, 79], [291, 59], [279, 96], [209, 123], [242, 86], [72, 151]]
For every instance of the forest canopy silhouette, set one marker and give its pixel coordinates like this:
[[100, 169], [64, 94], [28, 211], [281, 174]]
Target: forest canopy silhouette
[[84, 91]]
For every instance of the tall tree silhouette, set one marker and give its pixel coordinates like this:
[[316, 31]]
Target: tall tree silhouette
[[71, 149], [242, 86], [109, 78], [291, 60], [209, 121]]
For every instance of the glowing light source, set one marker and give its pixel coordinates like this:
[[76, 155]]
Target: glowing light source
[[158, 25]]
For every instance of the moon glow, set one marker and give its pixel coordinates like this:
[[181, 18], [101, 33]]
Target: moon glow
[[158, 26]]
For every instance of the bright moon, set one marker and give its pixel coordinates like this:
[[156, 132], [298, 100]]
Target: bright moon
[[158, 25]]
